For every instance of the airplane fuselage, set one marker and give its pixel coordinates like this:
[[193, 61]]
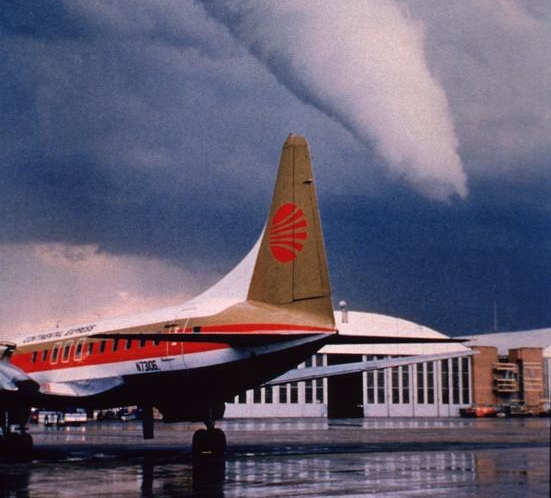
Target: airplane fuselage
[[80, 370]]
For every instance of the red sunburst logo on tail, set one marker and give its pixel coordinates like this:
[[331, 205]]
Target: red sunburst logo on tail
[[288, 232]]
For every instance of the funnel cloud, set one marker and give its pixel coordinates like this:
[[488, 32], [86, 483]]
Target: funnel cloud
[[363, 64]]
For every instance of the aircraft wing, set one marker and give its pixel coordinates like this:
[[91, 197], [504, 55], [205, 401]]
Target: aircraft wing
[[12, 378], [81, 388], [15, 383], [300, 374], [343, 339]]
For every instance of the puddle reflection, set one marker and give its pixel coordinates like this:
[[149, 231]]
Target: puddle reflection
[[455, 473]]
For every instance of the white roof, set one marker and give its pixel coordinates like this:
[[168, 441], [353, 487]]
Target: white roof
[[503, 341], [373, 324]]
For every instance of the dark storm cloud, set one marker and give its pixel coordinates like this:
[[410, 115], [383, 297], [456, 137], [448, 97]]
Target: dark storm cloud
[[137, 131], [146, 129], [444, 266], [36, 19], [105, 133]]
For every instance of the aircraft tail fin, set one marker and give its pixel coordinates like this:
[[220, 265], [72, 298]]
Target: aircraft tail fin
[[291, 266]]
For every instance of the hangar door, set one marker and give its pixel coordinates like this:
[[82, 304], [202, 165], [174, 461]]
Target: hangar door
[[344, 392]]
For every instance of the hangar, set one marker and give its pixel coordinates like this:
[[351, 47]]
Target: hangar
[[510, 370], [431, 389]]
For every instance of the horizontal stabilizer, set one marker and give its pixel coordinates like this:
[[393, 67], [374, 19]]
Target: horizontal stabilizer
[[233, 339], [81, 388], [300, 374], [341, 339]]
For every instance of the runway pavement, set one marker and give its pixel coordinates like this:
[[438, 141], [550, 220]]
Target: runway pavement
[[309, 457]]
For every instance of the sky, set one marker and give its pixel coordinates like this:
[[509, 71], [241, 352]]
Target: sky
[[140, 142]]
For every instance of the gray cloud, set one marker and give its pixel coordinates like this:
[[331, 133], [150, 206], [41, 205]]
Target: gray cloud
[[82, 284], [492, 58], [362, 63]]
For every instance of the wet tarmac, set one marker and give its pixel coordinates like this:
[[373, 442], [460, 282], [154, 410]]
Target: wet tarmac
[[298, 458]]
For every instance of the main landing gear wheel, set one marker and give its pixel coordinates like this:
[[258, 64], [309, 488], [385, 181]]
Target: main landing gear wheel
[[15, 446], [209, 462], [209, 444]]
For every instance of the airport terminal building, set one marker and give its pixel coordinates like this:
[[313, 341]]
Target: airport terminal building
[[508, 367]]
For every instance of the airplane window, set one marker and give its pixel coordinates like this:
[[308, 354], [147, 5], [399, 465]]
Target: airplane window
[[44, 355], [115, 344], [102, 346], [90, 348], [128, 343], [142, 342], [79, 347], [66, 351], [33, 359], [55, 352]]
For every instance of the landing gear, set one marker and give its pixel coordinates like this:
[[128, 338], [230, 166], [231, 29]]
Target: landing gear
[[209, 443], [15, 445], [147, 422], [209, 462]]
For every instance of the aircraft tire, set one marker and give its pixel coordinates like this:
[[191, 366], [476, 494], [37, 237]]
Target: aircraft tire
[[218, 441], [16, 447], [199, 442], [209, 443]]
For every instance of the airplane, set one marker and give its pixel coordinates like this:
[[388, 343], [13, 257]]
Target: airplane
[[188, 360]]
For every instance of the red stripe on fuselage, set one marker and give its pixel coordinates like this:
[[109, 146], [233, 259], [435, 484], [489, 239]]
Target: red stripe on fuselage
[[25, 362], [263, 327]]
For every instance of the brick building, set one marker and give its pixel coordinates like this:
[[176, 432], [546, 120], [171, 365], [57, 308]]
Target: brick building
[[512, 369]]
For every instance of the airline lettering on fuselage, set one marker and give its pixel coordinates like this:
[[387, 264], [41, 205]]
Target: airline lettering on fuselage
[[147, 366], [59, 333], [80, 330]]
